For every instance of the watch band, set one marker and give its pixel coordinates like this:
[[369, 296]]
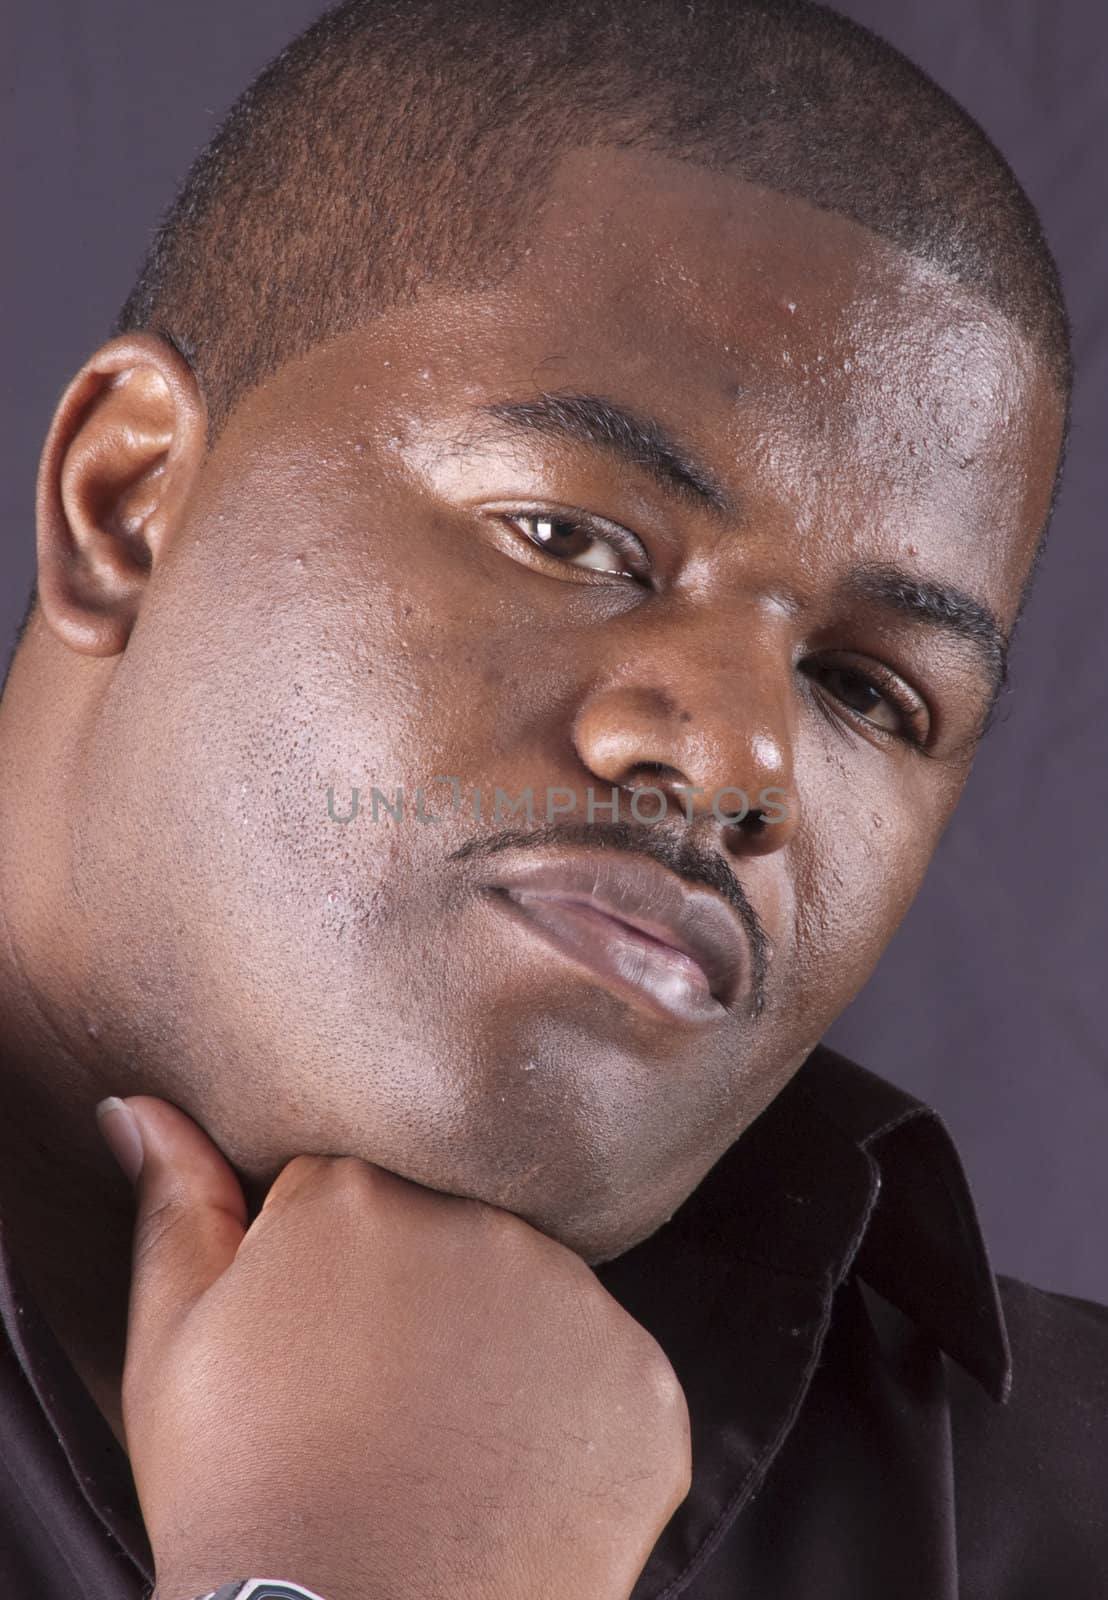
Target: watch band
[[261, 1589]]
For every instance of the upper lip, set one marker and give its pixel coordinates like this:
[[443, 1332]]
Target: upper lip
[[647, 897]]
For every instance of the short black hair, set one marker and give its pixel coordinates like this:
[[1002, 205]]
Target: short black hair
[[18, 636], [401, 142]]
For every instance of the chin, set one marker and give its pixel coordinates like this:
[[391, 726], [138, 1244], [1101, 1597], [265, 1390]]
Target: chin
[[595, 1244], [612, 1252]]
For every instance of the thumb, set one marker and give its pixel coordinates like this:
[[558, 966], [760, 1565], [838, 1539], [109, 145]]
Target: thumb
[[190, 1215]]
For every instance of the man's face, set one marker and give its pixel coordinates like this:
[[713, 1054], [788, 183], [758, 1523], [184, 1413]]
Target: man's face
[[378, 583]]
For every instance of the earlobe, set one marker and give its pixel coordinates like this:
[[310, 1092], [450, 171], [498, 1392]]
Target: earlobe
[[127, 440]]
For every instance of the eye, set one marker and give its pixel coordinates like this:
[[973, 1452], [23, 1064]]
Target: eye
[[576, 540], [877, 696]]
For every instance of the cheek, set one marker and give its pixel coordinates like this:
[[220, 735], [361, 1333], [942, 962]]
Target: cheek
[[870, 832], [357, 636], [253, 687]]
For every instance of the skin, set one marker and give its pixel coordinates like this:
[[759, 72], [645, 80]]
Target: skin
[[331, 596]]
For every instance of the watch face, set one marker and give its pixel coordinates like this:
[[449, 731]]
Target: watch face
[[261, 1589]]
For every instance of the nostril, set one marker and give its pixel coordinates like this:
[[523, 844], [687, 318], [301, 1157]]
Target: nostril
[[744, 816]]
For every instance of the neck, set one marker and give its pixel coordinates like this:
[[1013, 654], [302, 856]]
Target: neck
[[68, 1211]]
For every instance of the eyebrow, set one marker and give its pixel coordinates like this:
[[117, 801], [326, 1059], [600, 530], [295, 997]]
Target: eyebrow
[[642, 442], [635, 440], [937, 605]]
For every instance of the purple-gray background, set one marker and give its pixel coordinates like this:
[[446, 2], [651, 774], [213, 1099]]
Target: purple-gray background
[[989, 1002]]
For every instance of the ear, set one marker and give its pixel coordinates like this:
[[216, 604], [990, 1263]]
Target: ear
[[123, 452]]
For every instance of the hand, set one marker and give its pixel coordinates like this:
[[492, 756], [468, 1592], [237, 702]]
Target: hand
[[382, 1392]]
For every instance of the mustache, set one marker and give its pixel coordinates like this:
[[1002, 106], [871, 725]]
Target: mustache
[[680, 853]]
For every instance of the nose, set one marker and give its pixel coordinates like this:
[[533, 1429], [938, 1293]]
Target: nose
[[709, 723]]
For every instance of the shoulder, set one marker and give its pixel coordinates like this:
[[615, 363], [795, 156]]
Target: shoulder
[[1059, 1347], [1044, 1323], [1030, 1473]]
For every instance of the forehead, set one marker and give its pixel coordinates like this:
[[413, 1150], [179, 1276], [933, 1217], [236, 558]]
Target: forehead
[[846, 390], [794, 336], [748, 283]]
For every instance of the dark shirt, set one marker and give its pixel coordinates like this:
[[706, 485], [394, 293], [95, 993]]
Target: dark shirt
[[875, 1415]]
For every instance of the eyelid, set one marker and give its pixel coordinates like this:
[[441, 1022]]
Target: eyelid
[[913, 708]]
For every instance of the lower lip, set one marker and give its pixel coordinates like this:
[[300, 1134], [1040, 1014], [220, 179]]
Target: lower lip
[[632, 963]]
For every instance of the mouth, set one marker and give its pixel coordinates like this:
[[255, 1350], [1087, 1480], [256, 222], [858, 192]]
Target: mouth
[[642, 931]]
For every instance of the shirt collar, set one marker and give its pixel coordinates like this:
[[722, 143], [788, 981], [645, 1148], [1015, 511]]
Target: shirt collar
[[923, 1248], [842, 1173]]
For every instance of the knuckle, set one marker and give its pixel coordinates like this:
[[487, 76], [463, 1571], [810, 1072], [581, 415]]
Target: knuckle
[[498, 1225], [683, 1473], [339, 1187], [355, 1180], [298, 1178], [674, 1412], [303, 1169], [351, 1189], [659, 1382], [666, 1388], [670, 1425]]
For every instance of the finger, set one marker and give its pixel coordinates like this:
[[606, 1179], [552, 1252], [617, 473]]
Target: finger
[[189, 1221]]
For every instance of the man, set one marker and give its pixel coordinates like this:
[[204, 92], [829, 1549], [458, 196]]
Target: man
[[517, 600]]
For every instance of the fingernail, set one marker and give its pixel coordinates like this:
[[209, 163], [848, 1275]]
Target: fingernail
[[120, 1130]]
